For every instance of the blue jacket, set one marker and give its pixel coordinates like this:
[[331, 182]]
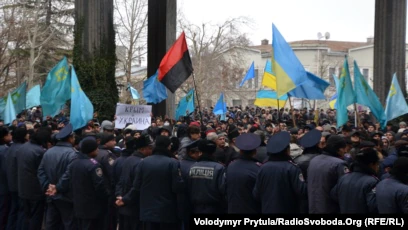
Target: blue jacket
[[323, 173], [206, 183], [3, 174], [392, 196], [280, 186], [90, 193], [158, 179], [53, 169], [240, 181], [184, 204], [11, 166], [118, 167], [355, 192], [106, 158]]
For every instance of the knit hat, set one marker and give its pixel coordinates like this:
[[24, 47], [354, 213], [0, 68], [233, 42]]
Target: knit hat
[[206, 146], [162, 141], [89, 145], [336, 142], [400, 166], [105, 138]]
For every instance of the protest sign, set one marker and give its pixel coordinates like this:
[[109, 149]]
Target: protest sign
[[138, 115]]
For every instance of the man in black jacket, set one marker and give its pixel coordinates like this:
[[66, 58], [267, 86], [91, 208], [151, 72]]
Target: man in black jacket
[[5, 139], [29, 157], [54, 178], [309, 142]]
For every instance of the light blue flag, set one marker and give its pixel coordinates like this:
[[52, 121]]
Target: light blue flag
[[186, 104], [345, 94], [3, 102], [396, 104], [336, 82], [57, 89], [221, 107], [313, 88], [133, 91], [9, 112], [18, 97], [366, 96], [82, 109], [249, 75], [33, 97], [153, 90]]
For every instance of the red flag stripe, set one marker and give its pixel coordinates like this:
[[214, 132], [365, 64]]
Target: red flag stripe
[[174, 55]]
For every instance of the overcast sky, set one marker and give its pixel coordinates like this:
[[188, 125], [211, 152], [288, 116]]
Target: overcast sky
[[345, 20]]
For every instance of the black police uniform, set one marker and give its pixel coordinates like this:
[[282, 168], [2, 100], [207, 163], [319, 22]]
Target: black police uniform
[[241, 177], [309, 142], [392, 196], [207, 182], [280, 186], [158, 179], [29, 157], [53, 169], [355, 191], [130, 196], [106, 158], [4, 191], [89, 191], [16, 215]]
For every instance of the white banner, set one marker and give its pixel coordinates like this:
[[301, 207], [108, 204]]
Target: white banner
[[134, 114]]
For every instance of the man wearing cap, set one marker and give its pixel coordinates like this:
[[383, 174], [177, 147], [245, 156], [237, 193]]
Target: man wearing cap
[[158, 181], [241, 176], [30, 192], [310, 143], [54, 179], [280, 186], [355, 191], [392, 193], [90, 193], [125, 190], [207, 182], [15, 216], [323, 173], [5, 140]]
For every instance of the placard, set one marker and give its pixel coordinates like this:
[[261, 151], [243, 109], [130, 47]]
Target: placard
[[134, 114]]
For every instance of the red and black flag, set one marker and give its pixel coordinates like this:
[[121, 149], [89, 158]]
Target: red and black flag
[[176, 66]]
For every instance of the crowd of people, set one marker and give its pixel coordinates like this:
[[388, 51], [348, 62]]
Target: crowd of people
[[257, 161]]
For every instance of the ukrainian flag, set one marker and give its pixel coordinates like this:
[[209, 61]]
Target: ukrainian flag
[[265, 98], [287, 68], [269, 80], [333, 101]]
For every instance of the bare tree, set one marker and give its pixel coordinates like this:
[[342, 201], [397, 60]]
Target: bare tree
[[131, 24], [208, 43]]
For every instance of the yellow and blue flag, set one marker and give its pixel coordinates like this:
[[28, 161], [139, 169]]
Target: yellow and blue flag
[[57, 89], [333, 101], [313, 88], [266, 98], [33, 97], [153, 90], [186, 104], [269, 79], [288, 70], [345, 93], [366, 96], [249, 75], [9, 112], [396, 104], [82, 109]]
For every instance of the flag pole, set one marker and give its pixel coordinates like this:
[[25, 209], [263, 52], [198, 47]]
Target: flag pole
[[293, 112], [356, 118], [198, 99]]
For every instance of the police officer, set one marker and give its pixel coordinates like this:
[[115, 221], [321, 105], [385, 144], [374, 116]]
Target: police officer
[[54, 179], [117, 169], [355, 191], [88, 187], [207, 181], [392, 192], [193, 154], [5, 139], [309, 142], [280, 186], [323, 173], [241, 176], [158, 180], [126, 191], [32, 196], [106, 158], [16, 215]]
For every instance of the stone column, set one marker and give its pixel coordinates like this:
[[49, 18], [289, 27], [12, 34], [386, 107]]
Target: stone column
[[161, 34], [389, 45]]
